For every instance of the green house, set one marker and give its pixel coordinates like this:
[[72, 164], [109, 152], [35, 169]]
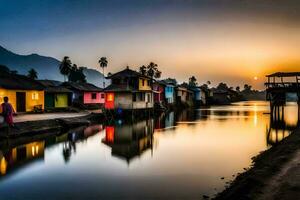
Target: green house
[[56, 95]]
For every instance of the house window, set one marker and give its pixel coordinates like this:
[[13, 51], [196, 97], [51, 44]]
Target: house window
[[110, 97], [102, 96], [143, 82], [35, 96], [148, 82], [94, 95], [134, 97]]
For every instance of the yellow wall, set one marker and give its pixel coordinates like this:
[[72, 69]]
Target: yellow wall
[[146, 86], [61, 101], [30, 95]]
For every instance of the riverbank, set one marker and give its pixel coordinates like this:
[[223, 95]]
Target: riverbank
[[43, 127], [275, 174]]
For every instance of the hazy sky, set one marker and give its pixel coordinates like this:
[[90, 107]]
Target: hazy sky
[[216, 40]]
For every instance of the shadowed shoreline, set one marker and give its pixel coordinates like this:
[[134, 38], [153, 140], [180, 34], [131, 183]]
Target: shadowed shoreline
[[273, 175]]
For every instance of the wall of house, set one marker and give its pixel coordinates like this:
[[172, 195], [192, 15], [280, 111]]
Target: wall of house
[[123, 100], [61, 100], [182, 95], [144, 84], [33, 98], [197, 95], [147, 102], [87, 98], [203, 97]]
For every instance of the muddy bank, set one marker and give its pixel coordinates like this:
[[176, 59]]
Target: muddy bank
[[271, 169], [43, 127]]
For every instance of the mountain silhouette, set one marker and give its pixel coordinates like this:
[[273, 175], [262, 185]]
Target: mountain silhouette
[[47, 67]]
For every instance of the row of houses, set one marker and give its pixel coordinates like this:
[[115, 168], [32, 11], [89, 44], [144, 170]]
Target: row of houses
[[129, 90]]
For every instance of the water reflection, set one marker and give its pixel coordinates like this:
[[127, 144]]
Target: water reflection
[[18, 157], [129, 140], [174, 155], [281, 125]]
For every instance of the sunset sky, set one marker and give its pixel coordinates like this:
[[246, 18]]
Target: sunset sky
[[217, 40]]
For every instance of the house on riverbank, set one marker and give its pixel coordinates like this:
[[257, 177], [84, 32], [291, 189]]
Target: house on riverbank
[[85, 94], [158, 89], [199, 96], [224, 96], [170, 93], [130, 90], [185, 96], [56, 95], [24, 94]]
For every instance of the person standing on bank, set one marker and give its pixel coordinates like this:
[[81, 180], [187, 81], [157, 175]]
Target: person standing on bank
[[7, 113]]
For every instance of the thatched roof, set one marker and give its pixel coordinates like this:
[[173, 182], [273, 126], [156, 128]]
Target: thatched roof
[[18, 82]]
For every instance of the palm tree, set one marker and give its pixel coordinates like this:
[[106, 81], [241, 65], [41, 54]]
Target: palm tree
[[65, 66], [152, 69], [193, 81], [143, 70], [103, 63], [32, 74]]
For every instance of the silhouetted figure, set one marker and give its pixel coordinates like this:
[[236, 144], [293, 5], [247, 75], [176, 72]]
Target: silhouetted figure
[[7, 111]]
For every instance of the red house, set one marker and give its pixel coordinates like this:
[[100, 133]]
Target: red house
[[158, 89]]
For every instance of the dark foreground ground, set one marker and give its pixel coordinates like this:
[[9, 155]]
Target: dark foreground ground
[[275, 174]]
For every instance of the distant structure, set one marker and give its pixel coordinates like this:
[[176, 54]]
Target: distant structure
[[277, 87]]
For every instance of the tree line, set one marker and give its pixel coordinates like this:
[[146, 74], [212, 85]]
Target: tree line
[[73, 73]]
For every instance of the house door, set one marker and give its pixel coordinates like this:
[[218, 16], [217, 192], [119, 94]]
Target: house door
[[21, 102], [49, 100]]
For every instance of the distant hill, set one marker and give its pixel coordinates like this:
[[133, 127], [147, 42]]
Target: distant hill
[[47, 67]]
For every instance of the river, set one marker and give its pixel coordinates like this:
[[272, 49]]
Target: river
[[175, 156]]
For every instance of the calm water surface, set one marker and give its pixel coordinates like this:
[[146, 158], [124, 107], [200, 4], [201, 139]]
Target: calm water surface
[[178, 155]]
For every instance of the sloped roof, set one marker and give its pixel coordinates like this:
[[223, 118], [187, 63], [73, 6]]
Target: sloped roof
[[161, 82], [118, 88], [53, 86], [127, 73], [86, 87], [15, 81], [167, 82]]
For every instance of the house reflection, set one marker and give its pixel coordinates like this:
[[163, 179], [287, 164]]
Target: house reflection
[[165, 120], [128, 141], [281, 126], [19, 157], [186, 115]]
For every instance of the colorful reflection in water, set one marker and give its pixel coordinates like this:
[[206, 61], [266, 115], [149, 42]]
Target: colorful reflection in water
[[175, 155]]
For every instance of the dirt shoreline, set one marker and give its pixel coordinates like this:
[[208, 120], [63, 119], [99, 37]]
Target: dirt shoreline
[[275, 174], [41, 127]]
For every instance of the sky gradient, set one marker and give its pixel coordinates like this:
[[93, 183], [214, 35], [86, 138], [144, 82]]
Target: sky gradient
[[217, 40]]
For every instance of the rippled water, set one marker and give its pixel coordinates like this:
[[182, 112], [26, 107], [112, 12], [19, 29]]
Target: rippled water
[[179, 155]]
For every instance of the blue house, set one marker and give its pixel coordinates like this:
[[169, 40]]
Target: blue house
[[199, 96], [170, 94]]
